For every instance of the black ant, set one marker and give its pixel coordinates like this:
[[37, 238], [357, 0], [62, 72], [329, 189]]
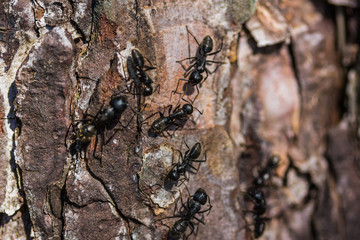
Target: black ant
[[174, 118], [104, 120], [187, 214], [198, 63], [84, 131], [259, 225], [137, 72], [258, 198], [259, 208], [140, 80], [179, 169], [266, 172]]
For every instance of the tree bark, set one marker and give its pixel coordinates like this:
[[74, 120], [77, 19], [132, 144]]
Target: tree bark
[[280, 91]]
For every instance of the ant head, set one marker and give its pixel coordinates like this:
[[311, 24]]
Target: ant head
[[148, 90], [200, 196], [188, 108], [138, 58], [119, 104], [207, 44]]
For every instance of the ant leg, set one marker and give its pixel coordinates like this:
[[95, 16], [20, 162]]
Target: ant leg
[[111, 137], [192, 35], [152, 66], [97, 114], [196, 229], [177, 86], [192, 227], [188, 58], [160, 113], [182, 206], [198, 92], [134, 89], [177, 127], [187, 148], [127, 125], [217, 51], [211, 72], [208, 198], [194, 168], [67, 131], [189, 102], [180, 62], [202, 160], [94, 117], [164, 224], [96, 143], [187, 176], [199, 161], [117, 130], [188, 70], [163, 135], [148, 68], [88, 115], [85, 156], [182, 181], [102, 147], [192, 106], [199, 220], [209, 62], [180, 156], [187, 29], [187, 189], [192, 59], [207, 210], [129, 88], [156, 184], [177, 107], [139, 121], [157, 88], [207, 75]]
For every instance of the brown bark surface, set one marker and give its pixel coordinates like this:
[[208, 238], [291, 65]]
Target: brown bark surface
[[288, 86]]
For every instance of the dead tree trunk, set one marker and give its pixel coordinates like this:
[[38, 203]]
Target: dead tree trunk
[[279, 91]]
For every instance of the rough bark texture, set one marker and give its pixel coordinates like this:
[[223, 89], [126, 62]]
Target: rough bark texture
[[288, 86]]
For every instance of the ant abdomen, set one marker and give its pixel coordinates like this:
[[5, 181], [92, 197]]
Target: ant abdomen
[[207, 44], [195, 78], [138, 58]]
